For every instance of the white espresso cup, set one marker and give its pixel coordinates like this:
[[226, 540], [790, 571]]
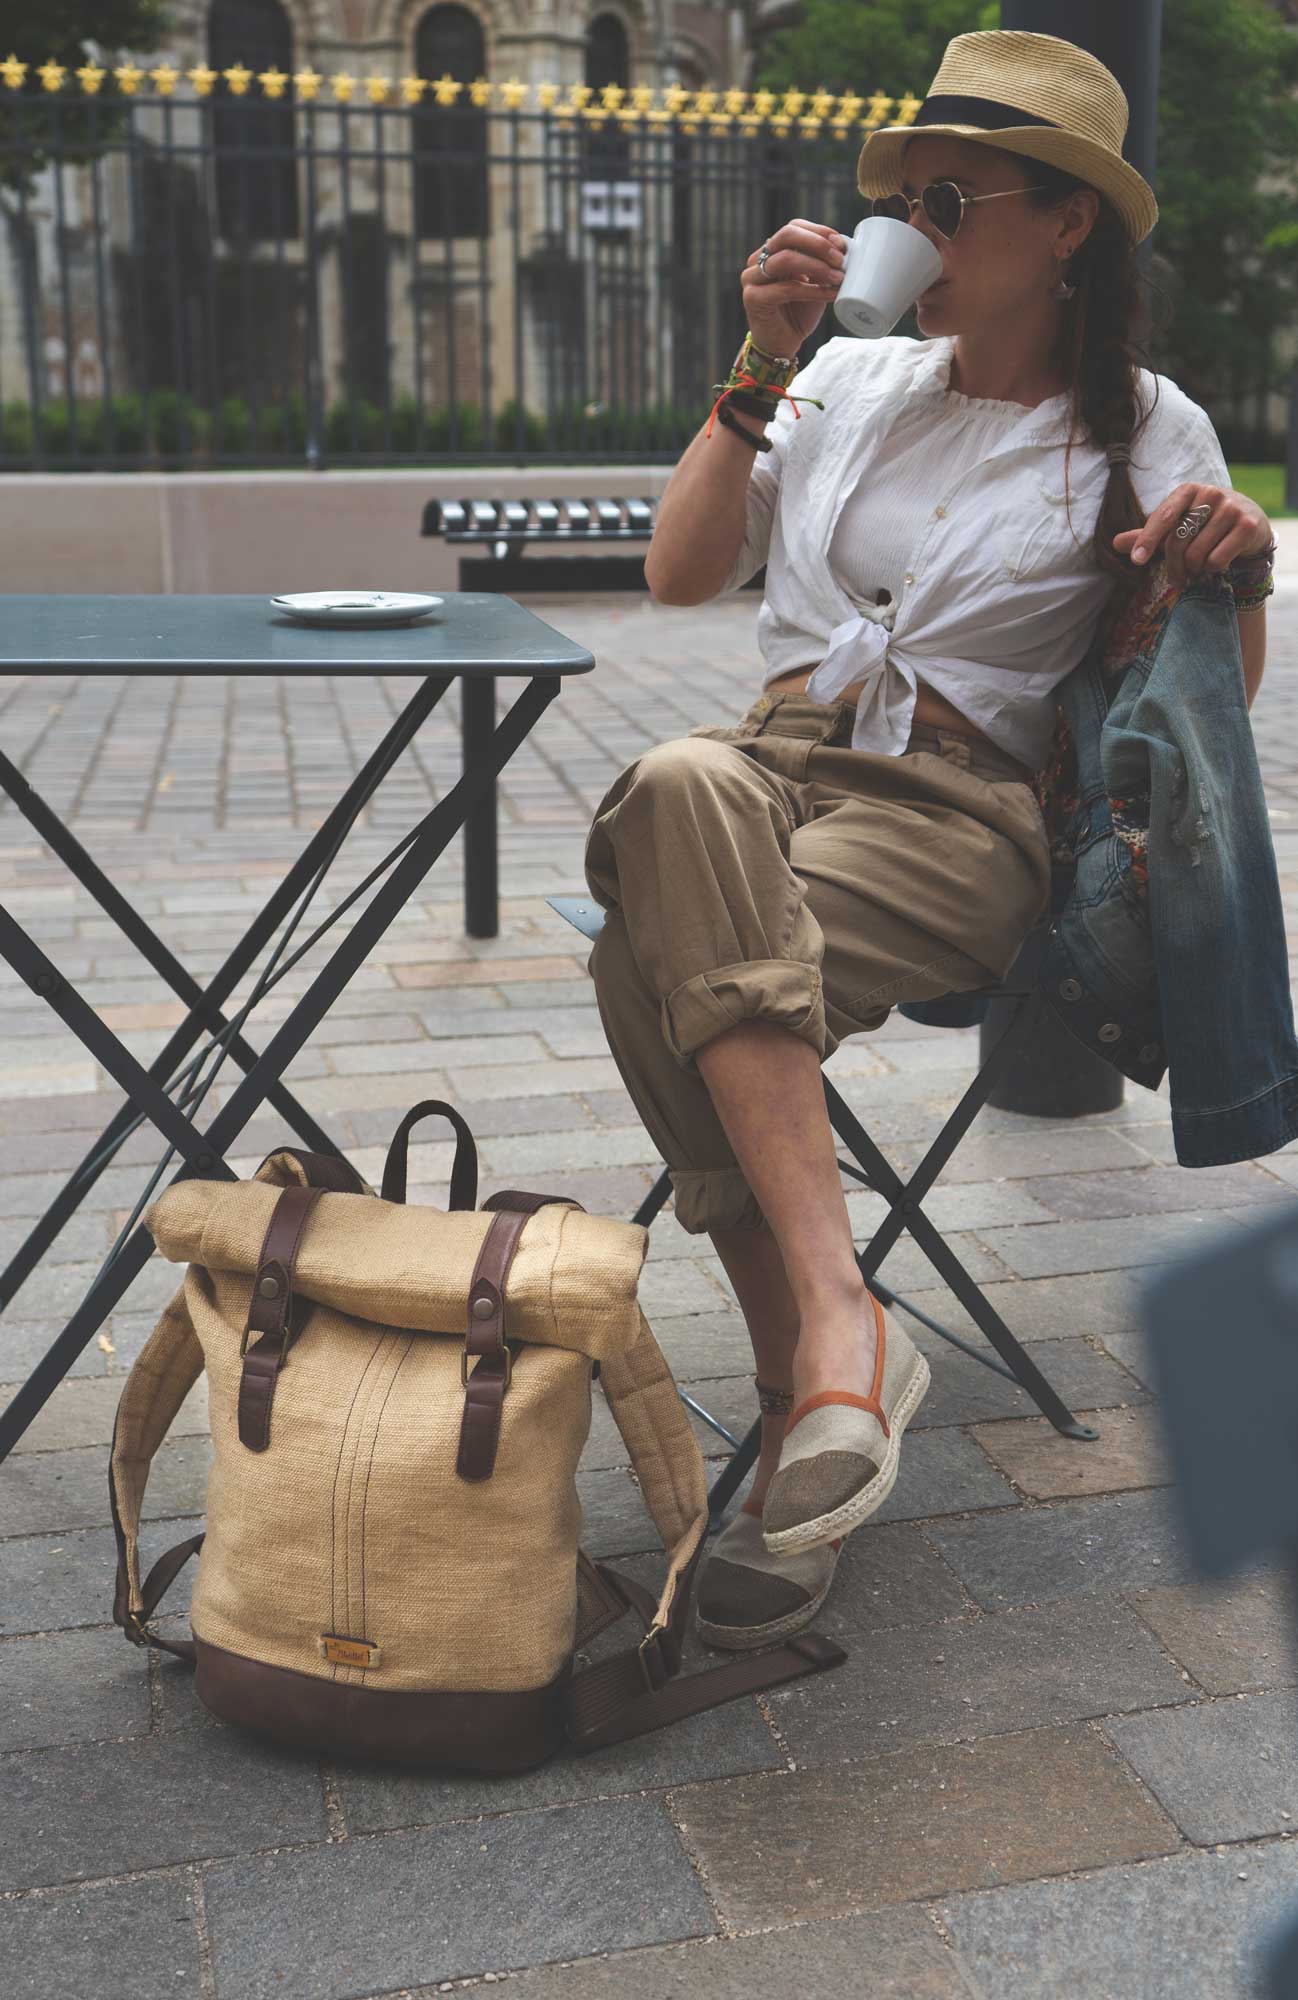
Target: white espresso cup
[[888, 265]]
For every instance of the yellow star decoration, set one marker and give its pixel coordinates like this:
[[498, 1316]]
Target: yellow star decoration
[[811, 110]]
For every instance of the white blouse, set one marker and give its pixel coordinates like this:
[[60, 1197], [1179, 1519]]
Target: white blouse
[[955, 507]]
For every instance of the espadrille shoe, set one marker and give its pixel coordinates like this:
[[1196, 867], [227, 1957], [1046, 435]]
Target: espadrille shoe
[[748, 1597], [840, 1455]]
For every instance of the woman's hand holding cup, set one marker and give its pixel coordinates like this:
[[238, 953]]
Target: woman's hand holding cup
[[784, 302]]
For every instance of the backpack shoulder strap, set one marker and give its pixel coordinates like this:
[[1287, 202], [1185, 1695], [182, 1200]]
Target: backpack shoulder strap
[[637, 1690], [165, 1371]]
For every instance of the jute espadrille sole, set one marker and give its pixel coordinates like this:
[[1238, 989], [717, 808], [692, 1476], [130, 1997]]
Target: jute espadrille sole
[[742, 1638], [841, 1520]]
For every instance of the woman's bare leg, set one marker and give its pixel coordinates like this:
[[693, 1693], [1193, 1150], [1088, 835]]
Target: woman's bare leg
[[766, 1085], [756, 1272]]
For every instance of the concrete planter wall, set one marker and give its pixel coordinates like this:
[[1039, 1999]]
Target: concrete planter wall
[[263, 531]]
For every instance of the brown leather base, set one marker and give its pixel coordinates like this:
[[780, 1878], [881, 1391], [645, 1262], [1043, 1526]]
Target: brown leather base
[[468, 1732]]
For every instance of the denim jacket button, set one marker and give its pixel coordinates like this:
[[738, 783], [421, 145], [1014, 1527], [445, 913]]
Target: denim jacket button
[[1071, 989], [1110, 1032]]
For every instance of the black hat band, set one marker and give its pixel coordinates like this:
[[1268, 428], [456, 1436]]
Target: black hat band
[[981, 111]]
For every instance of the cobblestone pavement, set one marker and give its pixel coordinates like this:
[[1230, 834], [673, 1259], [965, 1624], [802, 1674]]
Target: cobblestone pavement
[[1055, 1765]]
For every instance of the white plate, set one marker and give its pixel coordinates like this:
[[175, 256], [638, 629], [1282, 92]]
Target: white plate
[[357, 607]]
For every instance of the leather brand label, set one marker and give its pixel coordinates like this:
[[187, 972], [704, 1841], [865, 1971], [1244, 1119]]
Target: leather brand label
[[348, 1652]]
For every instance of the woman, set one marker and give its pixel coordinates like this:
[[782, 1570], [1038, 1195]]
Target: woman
[[939, 551]]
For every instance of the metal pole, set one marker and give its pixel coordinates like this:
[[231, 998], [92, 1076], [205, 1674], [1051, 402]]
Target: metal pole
[[1125, 35]]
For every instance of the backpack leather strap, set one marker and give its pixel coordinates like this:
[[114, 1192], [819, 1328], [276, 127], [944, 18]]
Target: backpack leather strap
[[637, 1690], [270, 1313], [484, 1389]]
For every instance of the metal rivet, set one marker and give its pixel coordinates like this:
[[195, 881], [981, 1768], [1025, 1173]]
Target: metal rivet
[[1110, 1032], [269, 1288], [483, 1309], [1071, 989], [1151, 1052], [204, 1161]]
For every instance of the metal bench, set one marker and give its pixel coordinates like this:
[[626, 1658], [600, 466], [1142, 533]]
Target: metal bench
[[506, 527]]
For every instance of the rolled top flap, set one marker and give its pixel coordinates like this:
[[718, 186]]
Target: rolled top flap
[[572, 1282]]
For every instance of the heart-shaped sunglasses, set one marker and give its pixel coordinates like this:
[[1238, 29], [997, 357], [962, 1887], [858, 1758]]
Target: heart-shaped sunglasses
[[942, 202]]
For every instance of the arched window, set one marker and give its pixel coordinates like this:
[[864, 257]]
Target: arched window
[[608, 60], [252, 136], [450, 141]]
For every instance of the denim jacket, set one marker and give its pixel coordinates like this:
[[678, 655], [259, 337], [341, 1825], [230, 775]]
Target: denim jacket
[[1167, 950]]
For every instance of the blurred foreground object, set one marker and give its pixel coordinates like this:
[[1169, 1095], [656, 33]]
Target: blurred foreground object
[[1234, 1458]]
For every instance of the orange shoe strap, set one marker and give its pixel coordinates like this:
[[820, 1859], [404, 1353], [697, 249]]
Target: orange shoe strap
[[870, 1403]]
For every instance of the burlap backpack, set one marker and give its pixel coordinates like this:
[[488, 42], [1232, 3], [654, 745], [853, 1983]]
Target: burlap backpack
[[391, 1564]]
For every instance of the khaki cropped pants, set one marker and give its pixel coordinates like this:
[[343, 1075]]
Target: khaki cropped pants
[[770, 872]]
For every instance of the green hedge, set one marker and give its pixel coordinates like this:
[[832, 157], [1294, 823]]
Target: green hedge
[[176, 426]]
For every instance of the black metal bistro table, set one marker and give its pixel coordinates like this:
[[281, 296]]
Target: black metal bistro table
[[477, 638]]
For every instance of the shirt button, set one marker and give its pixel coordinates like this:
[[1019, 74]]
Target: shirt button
[[910, 576], [939, 513]]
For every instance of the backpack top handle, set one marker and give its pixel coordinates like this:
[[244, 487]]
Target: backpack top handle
[[464, 1174]]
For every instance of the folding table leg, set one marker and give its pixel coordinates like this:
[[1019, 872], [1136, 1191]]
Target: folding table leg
[[204, 1003], [204, 1151], [481, 878]]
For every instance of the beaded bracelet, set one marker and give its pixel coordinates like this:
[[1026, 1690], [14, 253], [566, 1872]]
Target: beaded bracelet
[[1252, 578]]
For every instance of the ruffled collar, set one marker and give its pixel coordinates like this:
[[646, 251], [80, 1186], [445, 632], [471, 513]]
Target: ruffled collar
[[931, 377]]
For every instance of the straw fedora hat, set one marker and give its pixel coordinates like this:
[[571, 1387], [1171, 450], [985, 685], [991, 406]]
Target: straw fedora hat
[[1031, 94]]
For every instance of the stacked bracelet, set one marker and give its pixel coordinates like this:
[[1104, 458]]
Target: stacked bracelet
[[1252, 578], [732, 423], [761, 380]]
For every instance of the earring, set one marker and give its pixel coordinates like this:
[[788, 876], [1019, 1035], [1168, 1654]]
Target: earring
[[1062, 290]]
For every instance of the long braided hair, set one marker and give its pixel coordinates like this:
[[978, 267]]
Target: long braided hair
[[1101, 354]]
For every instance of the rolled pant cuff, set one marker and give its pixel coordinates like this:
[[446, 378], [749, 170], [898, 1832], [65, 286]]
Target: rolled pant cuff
[[717, 1199], [780, 990]]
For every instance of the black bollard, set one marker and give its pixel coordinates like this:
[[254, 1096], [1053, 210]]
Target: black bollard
[[1053, 1075]]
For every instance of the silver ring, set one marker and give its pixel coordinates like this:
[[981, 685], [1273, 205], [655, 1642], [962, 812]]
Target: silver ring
[[1190, 524], [762, 256]]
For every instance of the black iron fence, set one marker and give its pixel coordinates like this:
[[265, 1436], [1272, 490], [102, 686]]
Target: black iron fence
[[237, 281], [285, 278]]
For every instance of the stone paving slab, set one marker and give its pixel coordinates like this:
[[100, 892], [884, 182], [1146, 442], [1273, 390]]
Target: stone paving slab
[[1232, 1638], [137, 1938], [976, 1677], [112, 1808], [898, 1952], [1128, 1453], [1192, 1924], [844, 1836], [1121, 1541], [403, 1910], [1224, 1770]]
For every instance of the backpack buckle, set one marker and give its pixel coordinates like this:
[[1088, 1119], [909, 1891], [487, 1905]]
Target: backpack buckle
[[464, 1366], [653, 1668]]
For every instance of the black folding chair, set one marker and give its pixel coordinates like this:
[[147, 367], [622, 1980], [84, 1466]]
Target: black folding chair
[[905, 1198]]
